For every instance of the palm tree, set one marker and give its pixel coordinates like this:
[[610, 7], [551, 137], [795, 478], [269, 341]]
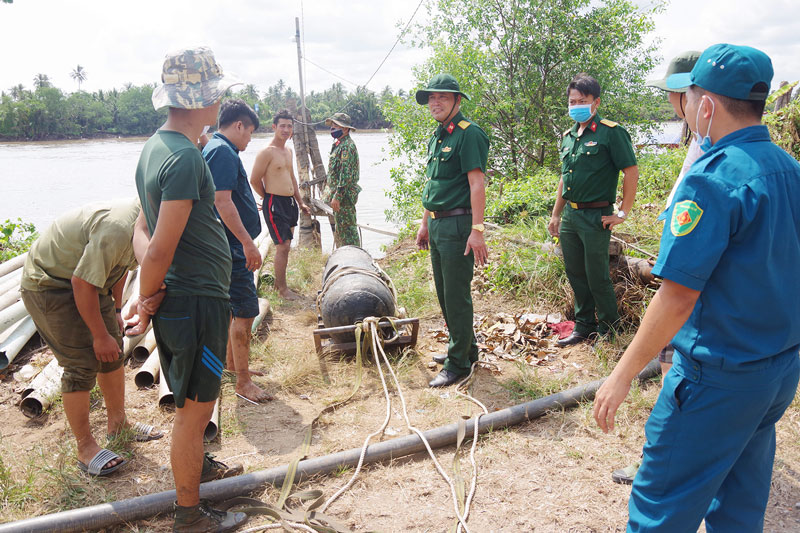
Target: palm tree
[[79, 75], [18, 92], [41, 81]]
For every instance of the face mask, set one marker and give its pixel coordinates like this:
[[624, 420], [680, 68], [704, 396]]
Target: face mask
[[705, 141], [336, 133], [580, 112]]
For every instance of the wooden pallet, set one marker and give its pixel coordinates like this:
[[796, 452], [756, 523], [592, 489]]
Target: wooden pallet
[[324, 342]]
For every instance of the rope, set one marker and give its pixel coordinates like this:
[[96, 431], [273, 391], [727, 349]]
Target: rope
[[378, 274]]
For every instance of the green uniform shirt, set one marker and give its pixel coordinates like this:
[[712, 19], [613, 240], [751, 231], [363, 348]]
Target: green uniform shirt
[[172, 168], [591, 162], [92, 243], [343, 171], [454, 150]]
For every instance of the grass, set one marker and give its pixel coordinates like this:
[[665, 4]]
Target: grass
[[303, 274], [531, 385], [413, 280]]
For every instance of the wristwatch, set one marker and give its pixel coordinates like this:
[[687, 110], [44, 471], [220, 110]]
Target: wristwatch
[[479, 227], [621, 214]]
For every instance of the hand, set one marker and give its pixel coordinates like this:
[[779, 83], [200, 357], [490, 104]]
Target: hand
[[252, 256], [335, 205], [305, 209], [422, 238], [137, 318], [607, 400], [611, 220], [477, 245], [554, 225], [106, 348]]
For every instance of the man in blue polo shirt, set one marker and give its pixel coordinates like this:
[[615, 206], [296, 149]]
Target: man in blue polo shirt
[[730, 305], [237, 209]]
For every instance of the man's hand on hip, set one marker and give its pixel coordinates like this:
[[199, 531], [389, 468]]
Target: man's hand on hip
[[610, 221]]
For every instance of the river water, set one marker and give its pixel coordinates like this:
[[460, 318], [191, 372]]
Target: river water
[[41, 180]]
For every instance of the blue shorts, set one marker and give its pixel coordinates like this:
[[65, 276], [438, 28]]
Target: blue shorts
[[244, 298]]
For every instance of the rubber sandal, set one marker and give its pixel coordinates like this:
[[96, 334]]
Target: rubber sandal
[[101, 458], [140, 433]]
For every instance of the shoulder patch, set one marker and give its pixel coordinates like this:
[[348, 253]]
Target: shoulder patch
[[685, 216], [464, 124], [609, 123]]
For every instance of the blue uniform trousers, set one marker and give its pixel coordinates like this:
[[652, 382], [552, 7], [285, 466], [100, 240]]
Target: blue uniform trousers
[[709, 452]]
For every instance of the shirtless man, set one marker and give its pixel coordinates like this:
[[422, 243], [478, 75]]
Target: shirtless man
[[273, 179]]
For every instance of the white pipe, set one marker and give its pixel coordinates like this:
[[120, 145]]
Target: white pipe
[[42, 390], [263, 311], [12, 282], [13, 264], [9, 298], [131, 283], [263, 250], [19, 337], [129, 343], [11, 275], [212, 429], [11, 315], [165, 397], [145, 347], [147, 374]]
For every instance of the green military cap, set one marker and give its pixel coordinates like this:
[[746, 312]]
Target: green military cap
[[680, 64], [191, 79], [739, 72], [441, 83], [340, 119]]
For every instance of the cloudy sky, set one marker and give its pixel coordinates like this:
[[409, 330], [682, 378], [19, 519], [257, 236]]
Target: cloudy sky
[[119, 42]]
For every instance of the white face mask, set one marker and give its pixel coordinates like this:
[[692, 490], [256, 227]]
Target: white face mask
[[704, 141]]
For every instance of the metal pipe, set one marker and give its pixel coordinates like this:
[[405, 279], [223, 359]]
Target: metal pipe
[[12, 282], [14, 274], [145, 347], [11, 315], [165, 397], [13, 264], [142, 507], [9, 298], [148, 373], [16, 340], [212, 429], [263, 311], [42, 390]]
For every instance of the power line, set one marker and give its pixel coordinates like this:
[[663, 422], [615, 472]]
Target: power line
[[331, 73], [396, 42]]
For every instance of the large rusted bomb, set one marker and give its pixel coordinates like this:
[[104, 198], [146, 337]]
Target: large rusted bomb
[[353, 288]]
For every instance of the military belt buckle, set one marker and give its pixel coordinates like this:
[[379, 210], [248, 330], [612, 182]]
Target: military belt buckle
[[573, 205], [433, 214]]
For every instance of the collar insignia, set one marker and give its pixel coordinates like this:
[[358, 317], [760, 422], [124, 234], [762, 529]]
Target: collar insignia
[[594, 126], [451, 127]]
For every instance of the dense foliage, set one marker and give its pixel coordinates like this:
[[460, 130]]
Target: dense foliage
[[46, 112], [515, 59], [784, 126], [15, 238]]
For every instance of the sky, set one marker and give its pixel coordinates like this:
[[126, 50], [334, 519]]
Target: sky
[[121, 42]]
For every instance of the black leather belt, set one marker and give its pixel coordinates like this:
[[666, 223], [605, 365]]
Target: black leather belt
[[587, 205], [453, 212]]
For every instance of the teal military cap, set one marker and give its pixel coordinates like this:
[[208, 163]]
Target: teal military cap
[[680, 64], [739, 72], [441, 83]]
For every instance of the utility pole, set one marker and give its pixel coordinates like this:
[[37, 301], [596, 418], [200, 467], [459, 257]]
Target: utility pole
[[307, 237]]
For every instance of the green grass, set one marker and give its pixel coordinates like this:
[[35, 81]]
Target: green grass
[[413, 280], [530, 385]]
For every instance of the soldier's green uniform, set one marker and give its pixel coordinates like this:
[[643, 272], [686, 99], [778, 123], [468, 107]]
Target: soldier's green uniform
[[590, 169], [454, 149], [343, 186]]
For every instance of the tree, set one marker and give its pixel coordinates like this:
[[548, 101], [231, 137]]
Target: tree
[[79, 75], [41, 81], [18, 92]]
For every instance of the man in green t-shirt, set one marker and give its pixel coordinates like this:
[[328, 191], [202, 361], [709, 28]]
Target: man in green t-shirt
[[593, 152], [189, 254], [454, 199], [72, 285]]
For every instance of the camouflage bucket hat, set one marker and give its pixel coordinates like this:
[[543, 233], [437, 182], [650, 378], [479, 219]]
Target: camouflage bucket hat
[[340, 119], [191, 79], [682, 63], [441, 83]]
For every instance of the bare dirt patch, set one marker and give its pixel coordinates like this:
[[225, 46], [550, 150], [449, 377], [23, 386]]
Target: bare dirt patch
[[550, 475]]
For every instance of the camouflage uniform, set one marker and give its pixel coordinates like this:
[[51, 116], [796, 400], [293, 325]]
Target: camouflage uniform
[[343, 186]]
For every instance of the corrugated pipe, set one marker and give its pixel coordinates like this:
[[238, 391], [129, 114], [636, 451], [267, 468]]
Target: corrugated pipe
[[142, 507]]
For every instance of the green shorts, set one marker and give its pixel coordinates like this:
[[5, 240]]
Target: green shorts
[[192, 337], [60, 325]]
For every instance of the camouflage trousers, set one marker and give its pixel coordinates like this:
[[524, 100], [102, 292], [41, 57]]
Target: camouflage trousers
[[346, 228]]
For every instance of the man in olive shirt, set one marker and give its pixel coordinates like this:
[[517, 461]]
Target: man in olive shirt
[[454, 199], [189, 253], [593, 152], [72, 285]]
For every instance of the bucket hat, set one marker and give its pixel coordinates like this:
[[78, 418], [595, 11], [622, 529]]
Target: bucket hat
[[191, 79], [680, 64], [739, 72], [441, 83], [340, 119]]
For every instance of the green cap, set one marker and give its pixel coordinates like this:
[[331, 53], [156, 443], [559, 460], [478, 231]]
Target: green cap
[[340, 119], [739, 72], [680, 64], [441, 83], [191, 79]]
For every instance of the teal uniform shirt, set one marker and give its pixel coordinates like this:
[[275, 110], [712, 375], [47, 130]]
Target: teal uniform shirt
[[591, 162], [453, 151]]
